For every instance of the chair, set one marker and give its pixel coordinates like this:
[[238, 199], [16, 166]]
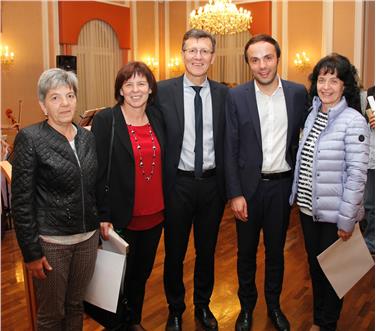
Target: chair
[[6, 169], [6, 217], [87, 117]]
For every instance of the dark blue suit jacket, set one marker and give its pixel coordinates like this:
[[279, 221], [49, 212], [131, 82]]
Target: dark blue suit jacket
[[243, 145]]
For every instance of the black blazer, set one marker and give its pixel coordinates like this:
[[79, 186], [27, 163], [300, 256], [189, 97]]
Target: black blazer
[[117, 206], [243, 146], [170, 100]]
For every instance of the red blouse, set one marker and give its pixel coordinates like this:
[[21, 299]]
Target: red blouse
[[148, 201]]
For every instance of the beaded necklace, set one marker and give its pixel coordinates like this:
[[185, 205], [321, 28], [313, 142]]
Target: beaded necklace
[[139, 149]]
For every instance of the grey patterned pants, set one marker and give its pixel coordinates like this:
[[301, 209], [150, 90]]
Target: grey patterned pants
[[60, 295]]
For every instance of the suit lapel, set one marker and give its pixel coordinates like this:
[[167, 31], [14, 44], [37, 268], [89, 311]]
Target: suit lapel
[[215, 99], [289, 99], [155, 125], [253, 109], [121, 130], [178, 95]]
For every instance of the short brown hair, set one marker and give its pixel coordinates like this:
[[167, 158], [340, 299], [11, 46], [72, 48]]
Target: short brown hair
[[262, 37], [132, 69], [198, 34]]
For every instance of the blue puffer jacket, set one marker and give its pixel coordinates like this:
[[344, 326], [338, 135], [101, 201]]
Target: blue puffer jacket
[[339, 168]]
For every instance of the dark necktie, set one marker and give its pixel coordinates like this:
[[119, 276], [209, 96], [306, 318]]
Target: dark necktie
[[199, 133]]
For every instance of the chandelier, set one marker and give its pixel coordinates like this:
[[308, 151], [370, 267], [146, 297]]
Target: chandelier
[[221, 17]]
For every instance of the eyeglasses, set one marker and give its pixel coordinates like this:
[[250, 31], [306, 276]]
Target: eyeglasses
[[204, 52]]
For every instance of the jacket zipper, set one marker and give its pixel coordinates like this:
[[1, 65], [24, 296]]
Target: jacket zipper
[[314, 165], [82, 191], [82, 198]]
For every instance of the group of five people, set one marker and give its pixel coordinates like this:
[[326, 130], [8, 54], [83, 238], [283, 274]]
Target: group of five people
[[169, 155]]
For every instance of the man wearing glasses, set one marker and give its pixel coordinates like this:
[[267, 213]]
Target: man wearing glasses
[[193, 111]]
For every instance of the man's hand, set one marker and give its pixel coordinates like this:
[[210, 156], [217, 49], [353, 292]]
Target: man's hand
[[239, 208], [38, 268], [105, 228]]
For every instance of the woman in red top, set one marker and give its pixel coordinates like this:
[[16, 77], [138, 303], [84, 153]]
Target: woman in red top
[[134, 204]]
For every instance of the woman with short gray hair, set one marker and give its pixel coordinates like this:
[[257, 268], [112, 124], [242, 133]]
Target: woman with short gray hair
[[53, 203]]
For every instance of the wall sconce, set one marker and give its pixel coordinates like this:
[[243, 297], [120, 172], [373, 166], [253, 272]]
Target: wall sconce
[[7, 57], [174, 65], [301, 61], [152, 63]]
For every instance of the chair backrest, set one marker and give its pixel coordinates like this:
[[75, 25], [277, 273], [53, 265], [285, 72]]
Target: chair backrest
[[6, 169], [87, 116]]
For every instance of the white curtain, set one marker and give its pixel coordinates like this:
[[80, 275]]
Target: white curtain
[[229, 65], [98, 61]]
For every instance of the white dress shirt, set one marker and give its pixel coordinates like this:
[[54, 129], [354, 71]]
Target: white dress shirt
[[187, 156], [273, 122]]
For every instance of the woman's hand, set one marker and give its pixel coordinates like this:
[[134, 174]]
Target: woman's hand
[[105, 228], [344, 235], [38, 268], [371, 118]]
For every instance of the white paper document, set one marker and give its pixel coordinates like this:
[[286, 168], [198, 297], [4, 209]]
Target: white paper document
[[372, 103], [105, 285], [115, 244], [346, 262]]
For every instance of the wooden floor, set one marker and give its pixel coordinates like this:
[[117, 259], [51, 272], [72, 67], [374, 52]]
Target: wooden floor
[[358, 313]]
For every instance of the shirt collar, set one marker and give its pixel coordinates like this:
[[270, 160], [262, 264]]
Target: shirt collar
[[188, 83], [257, 89]]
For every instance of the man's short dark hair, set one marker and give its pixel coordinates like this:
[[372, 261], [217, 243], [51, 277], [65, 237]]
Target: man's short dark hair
[[262, 37], [198, 34]]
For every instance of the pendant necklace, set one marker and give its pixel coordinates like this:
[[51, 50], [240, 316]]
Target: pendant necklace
[[141, 164]]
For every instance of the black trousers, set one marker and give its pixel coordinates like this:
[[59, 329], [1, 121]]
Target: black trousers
[[191, 202], [269, 210], [326, 305], [140, 259]]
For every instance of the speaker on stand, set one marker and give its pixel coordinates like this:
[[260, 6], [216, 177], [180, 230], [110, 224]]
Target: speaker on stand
[[67, 62]]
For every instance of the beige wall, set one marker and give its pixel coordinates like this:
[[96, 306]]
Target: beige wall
[[304, 34], [305, 31], [22, 31], [369, 45], [343, 28], [177, 22], [169, 32], [146, 30]]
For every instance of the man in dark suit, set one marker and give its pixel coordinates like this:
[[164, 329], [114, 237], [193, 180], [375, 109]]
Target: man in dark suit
[[193, 111], [263, 118]]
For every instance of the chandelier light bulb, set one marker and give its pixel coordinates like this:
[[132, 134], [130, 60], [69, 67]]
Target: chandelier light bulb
[[7, 57], [221, 17], [301, 61]]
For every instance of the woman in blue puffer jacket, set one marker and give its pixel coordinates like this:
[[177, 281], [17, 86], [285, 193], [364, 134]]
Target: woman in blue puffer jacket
[[330, 173]]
